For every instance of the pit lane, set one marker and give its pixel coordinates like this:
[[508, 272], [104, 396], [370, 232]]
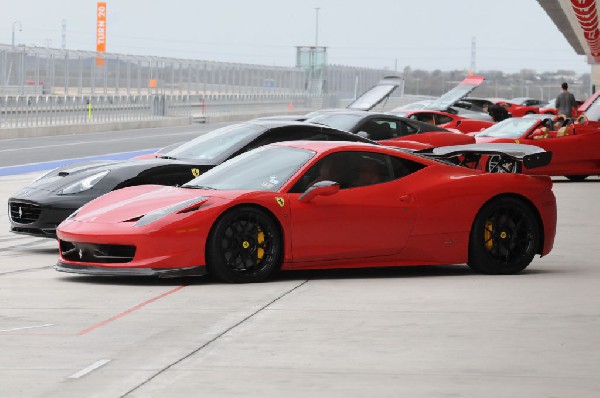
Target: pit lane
[[412, 331]]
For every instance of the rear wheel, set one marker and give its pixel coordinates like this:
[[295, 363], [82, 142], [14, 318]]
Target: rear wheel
[[502, 164], [576, 178], [504, 238], [245, 245]]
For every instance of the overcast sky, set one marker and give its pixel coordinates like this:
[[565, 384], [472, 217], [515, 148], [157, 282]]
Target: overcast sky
[[427, 34]]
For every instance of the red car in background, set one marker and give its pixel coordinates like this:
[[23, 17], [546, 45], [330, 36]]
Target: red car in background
[[446, 120], [575, 146], [314, 205], [550, 108], [515, 109]]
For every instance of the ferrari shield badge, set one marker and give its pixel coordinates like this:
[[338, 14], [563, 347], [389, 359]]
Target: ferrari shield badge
[[280, 201], [195, 172], [516, 141]]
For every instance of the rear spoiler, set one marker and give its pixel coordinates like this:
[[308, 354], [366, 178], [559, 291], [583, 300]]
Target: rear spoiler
[[529, 155]]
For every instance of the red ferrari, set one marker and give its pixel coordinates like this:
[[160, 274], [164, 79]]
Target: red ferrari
[[575, 146], [517, 110], [314, 205], [446, 120]]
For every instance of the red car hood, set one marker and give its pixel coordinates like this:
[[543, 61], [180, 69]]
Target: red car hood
[[130, 203]]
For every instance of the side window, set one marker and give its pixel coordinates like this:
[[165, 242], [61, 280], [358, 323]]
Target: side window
[[377, 129], [410, 128], [443, 119], [356, 169]]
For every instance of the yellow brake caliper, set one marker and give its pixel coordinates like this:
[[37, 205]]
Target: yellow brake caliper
[[260, 239], [487, 235]]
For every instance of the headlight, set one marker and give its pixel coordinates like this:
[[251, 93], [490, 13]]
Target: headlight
[[188, 205], [83, 185]]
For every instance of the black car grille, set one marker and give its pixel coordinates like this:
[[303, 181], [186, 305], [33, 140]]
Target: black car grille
[[24, 213], [94, 253]]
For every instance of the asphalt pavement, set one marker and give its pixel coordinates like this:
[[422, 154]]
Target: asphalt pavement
[[397, 332]]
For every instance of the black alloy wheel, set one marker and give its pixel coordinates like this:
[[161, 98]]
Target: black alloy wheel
[[504, 238], [502, 164], [244, 246]]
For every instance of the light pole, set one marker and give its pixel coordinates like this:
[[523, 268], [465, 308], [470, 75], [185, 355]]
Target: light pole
[[13, 31], [317, 27]]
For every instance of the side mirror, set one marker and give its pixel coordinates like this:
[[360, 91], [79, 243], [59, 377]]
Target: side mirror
[[321, 188]]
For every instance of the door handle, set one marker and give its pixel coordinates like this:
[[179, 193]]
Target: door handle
[[407, 198]]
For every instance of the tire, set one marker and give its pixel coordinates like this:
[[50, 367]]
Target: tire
[[244, 246], [504, 238], [576, 178], [501, 164]]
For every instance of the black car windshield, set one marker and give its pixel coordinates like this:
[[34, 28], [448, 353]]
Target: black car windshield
[[217, 143], [340, 121], [510, 128], [263, 169]]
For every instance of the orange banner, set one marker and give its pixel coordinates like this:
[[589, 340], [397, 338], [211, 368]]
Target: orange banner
[[100, 32]]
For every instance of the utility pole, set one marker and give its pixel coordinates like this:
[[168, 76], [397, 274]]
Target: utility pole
[[64, 34], [317, 27], [473, 54], [13, 30]]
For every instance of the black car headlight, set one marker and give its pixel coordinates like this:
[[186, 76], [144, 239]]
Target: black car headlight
[[182, 207], [83, 184]]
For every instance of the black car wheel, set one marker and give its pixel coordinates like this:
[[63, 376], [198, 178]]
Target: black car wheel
[[245, 245], [504, 238], [576, 178], [502, 164]]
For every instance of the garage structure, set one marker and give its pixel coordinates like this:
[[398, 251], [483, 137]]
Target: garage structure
[[578, 22]]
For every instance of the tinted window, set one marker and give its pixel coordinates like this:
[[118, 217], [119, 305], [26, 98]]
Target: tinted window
[[356, 169], [443, 119]]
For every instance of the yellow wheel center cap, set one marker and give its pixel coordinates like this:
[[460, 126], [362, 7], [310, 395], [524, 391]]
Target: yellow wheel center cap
[[503, 235], [246, 244]]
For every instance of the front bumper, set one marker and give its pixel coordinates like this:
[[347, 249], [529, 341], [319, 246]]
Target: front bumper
[[124, 271]]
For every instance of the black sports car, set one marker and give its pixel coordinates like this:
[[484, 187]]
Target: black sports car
[[389, 129], [38, 208]]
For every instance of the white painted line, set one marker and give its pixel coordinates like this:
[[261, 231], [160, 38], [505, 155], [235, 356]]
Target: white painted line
[[27, 327], [89, 369]]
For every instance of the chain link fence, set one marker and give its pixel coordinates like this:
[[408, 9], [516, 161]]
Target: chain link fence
[[45, 86]]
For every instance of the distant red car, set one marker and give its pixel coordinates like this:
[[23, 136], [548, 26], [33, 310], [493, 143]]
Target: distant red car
[[575, 147], [517, 110], [446, 120], [314, 205], [550, 108]]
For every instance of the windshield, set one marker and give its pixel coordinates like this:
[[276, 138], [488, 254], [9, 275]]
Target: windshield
[[593, 112], [344, 122], [263, 169], [509, 128], [218, 143], [458, 92]]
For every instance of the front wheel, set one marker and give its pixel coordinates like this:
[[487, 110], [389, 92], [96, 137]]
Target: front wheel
[[576, 178], [504, 238], [244, 245]]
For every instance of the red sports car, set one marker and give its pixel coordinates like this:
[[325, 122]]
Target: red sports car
[[517, 110], [446, 120], [309, 205], [575, 146]]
